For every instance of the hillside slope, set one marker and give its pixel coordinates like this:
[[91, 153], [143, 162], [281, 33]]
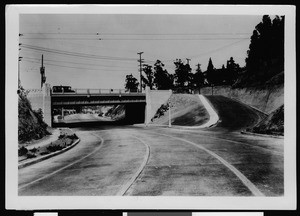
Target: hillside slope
[[30, 122], [234, 116], [186, 110], [273, 124]]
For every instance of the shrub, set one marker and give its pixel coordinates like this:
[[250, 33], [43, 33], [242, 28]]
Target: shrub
[[34, 150], [53, 148], [22, 151], [161, 111], [30, 155], [73, 136], [61, 136]]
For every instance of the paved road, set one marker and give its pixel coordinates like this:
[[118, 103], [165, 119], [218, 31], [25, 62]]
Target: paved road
[[131, 160]]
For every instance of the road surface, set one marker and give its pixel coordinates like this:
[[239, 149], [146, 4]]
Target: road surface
[[139, 161]]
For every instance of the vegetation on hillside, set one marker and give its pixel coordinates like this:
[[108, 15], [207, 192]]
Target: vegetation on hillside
[[266, 52], [273, 124], [30, 122]]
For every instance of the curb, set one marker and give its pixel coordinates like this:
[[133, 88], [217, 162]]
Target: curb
[[34, 161], [262, 135]]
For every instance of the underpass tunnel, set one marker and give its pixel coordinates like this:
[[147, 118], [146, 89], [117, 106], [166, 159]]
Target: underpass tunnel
[[135, 113]]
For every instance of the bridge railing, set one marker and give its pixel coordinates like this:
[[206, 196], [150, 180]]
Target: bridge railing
[[99, 91]]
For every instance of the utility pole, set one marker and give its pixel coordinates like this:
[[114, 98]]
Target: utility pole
[[140, 61], [19, 78], [198, 70], [188, 61], [19, 60], [42, 69], [169, 102]]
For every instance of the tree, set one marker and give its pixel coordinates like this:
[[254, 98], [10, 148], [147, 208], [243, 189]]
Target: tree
[[183, 75], [265, 57], [232, 70], [211, 72], [149, 78], [162, 79], [131, 83], [198, 78]]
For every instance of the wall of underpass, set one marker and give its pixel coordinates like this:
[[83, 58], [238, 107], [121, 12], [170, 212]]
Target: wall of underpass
[[266, 99], [154, 100]]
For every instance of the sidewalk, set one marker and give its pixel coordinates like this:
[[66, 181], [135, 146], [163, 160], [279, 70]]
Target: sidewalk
[[45, 141]]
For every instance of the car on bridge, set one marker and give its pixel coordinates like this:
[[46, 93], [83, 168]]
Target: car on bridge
[[62, 89]]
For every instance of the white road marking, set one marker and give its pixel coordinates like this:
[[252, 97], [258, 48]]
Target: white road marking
[[196, 133], [255, 191], [125, 187], [71, 164]]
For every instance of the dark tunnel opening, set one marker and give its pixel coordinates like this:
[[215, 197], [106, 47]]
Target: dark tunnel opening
[[134, 114]]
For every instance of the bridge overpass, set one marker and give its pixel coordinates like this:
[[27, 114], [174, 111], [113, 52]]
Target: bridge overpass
[[140, 107], [92, 97], [134, 102]]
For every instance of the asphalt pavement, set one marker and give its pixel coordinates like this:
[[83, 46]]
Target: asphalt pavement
[[153, 161]]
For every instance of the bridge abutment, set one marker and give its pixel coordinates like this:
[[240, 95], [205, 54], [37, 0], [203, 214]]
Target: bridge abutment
[[47, 104], [41, 99], [154, 99]]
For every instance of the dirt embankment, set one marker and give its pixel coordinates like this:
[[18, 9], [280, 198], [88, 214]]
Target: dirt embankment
[[265, 98], [273, 124], [186, 110], [268, 99]]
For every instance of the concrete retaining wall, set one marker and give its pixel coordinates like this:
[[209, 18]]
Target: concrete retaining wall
[[41, 99], [154, 100], [267, 100], [47, 104]]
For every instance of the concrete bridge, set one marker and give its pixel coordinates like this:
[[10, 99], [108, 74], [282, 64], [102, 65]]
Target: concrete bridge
[[140, 107]]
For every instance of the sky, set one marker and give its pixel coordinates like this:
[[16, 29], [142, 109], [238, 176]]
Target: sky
[[98, 51]]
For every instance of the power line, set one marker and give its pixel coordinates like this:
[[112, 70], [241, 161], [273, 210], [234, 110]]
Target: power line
[[211, 51], [84, 55], [215, 50], [89, 64], [82, 68], [72, 57]]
